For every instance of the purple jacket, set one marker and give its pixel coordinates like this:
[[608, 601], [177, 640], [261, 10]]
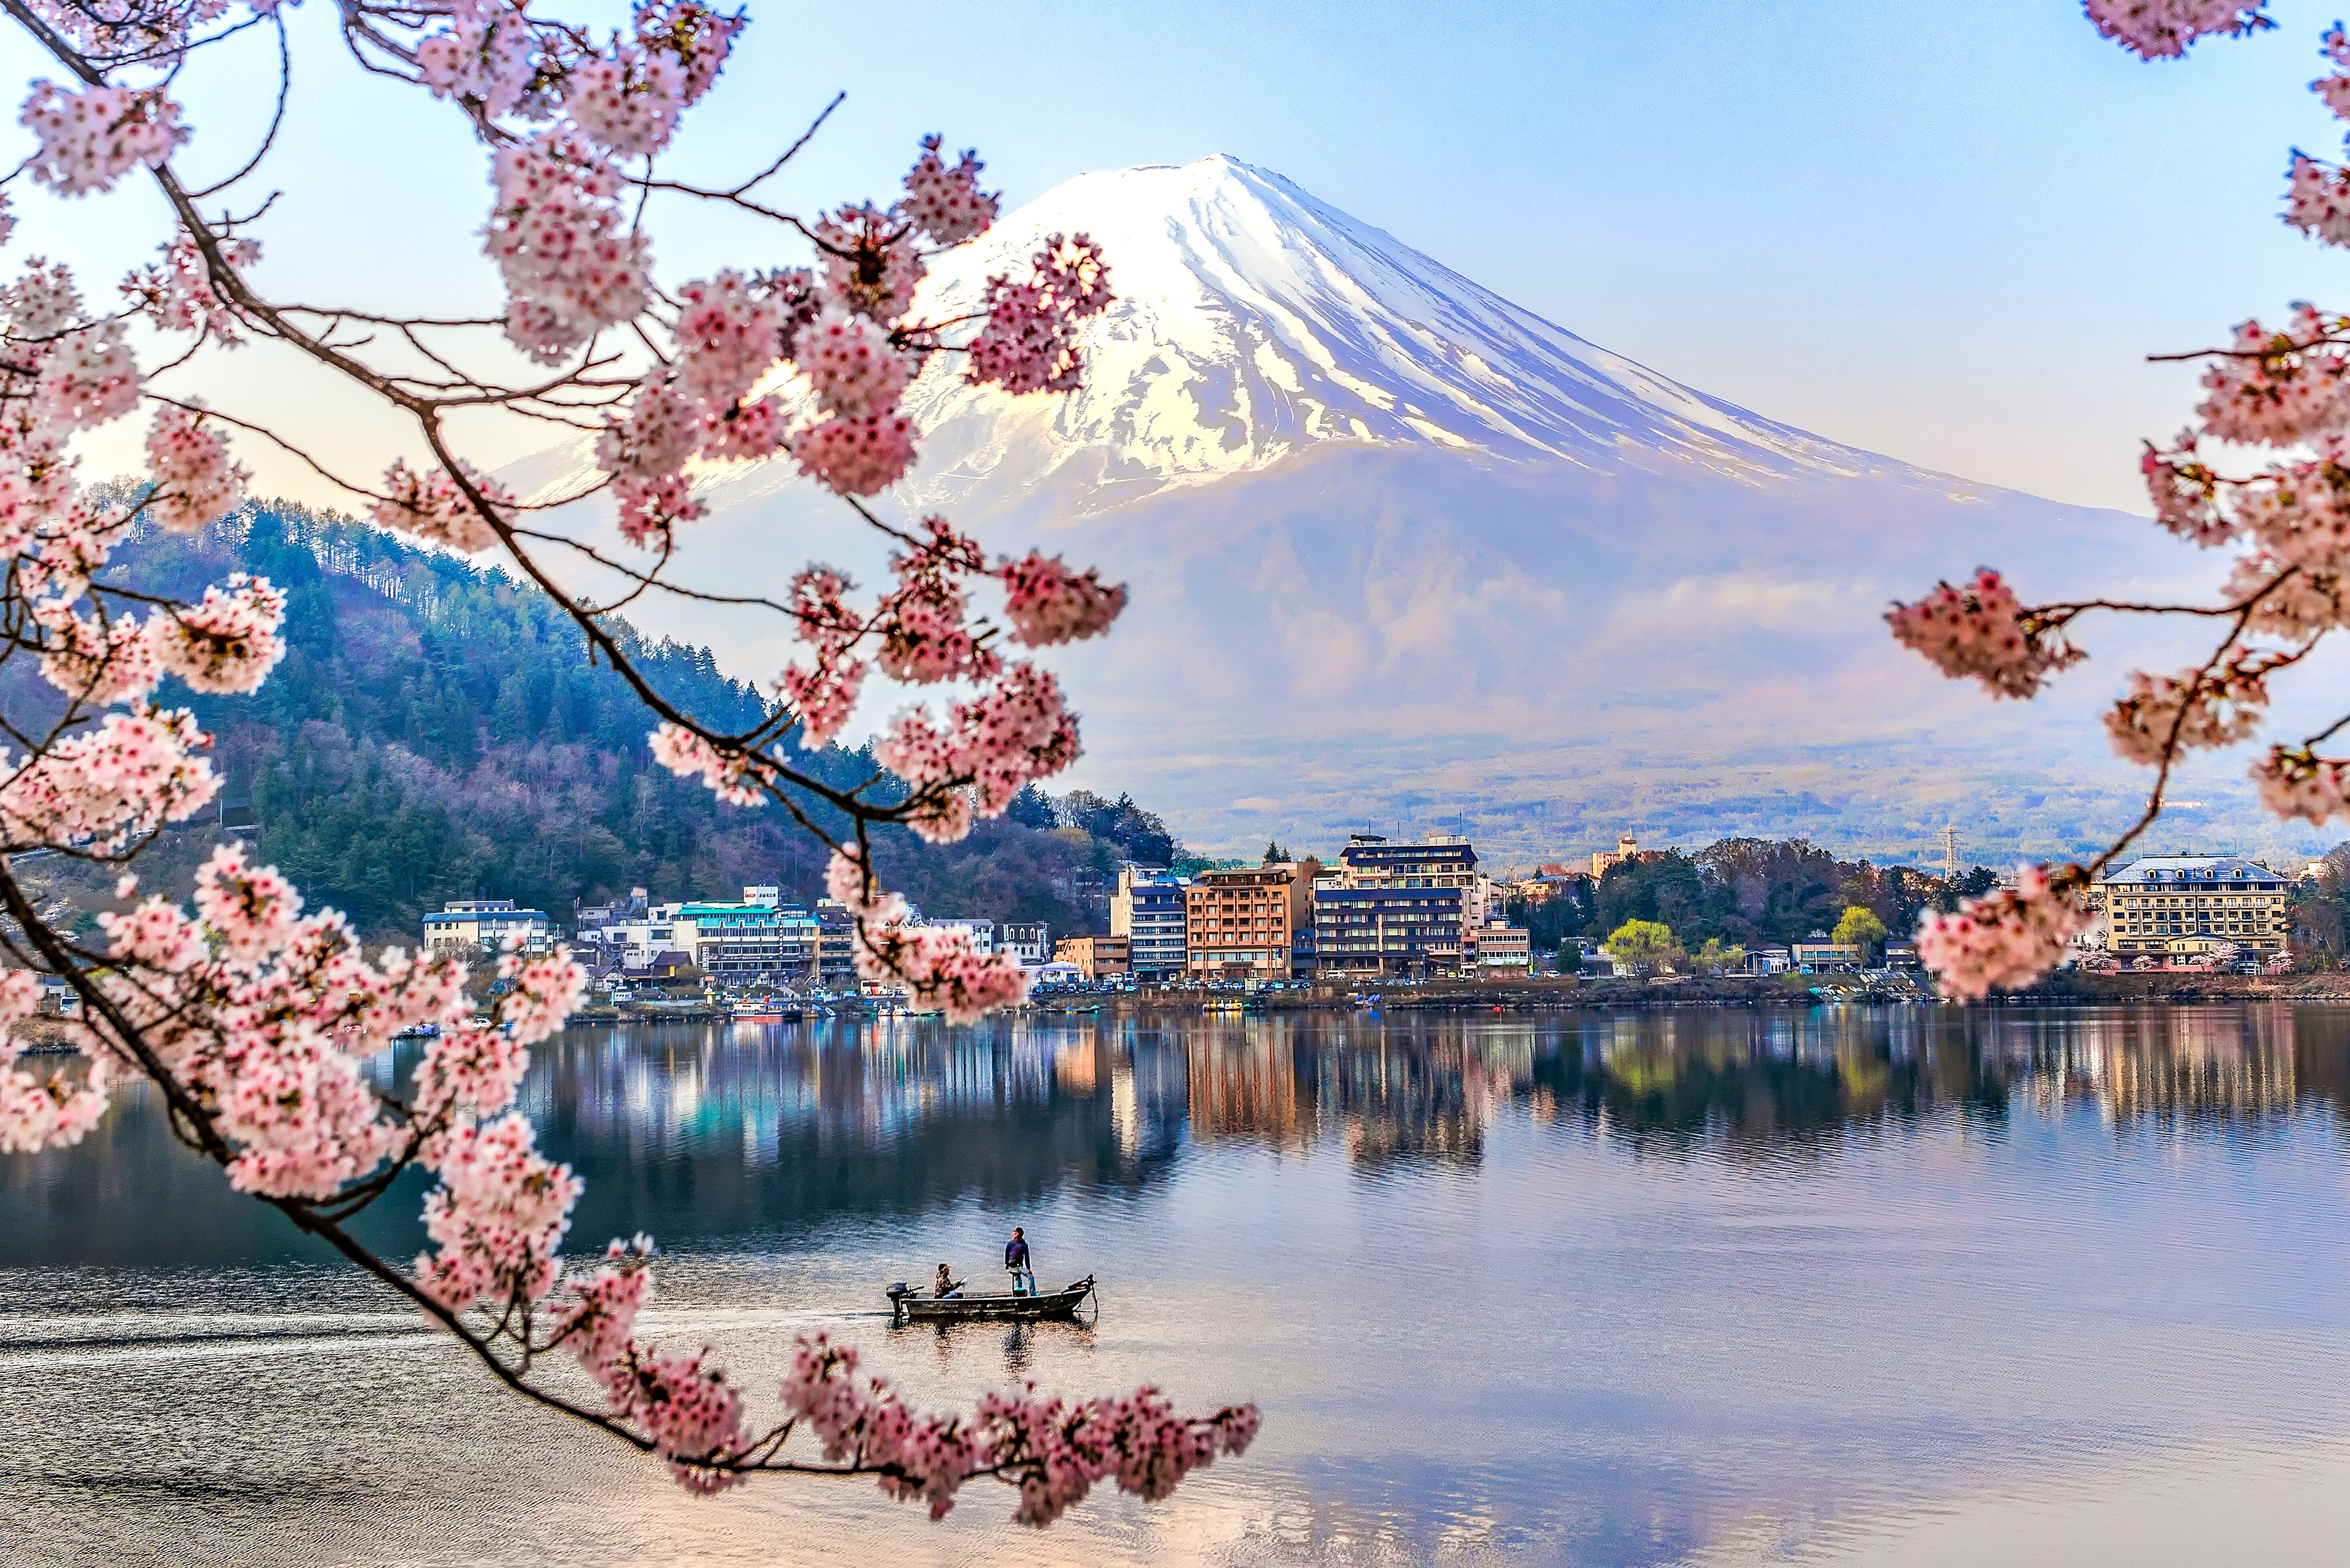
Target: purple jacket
[[1015, 1253]]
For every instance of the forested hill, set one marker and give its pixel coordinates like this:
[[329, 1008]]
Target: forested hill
[[437, 731]]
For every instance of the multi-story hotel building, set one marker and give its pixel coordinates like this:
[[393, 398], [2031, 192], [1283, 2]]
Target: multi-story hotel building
[[1396, 909], [2189, 905], [1236, 924], [1149, 909]]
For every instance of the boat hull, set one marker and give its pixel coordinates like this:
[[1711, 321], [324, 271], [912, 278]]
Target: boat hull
[[912, 1307]]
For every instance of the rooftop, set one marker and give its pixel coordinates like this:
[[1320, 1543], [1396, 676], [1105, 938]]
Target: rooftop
[[2194, 868]]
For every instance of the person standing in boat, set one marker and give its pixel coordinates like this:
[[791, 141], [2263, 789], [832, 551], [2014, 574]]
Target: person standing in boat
[[1015, 1262]]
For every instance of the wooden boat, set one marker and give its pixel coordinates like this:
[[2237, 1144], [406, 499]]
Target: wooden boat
[[913, 1306]]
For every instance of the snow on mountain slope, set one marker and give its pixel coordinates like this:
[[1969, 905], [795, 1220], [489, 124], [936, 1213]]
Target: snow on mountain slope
[[1253, 322], [1402, 551]]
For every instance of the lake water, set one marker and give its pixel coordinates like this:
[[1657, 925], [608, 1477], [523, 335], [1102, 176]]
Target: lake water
[[1705, 1287]]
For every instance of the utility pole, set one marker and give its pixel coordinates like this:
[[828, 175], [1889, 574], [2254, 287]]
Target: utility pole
[[1950, 852]]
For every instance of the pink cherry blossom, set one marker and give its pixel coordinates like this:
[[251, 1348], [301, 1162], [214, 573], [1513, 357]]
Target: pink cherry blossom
[[45, 1112], [1047, 603], [2010, 938], [2292, 603], [91, 139], [2279, 387], [101, 665], [651, 508], [662, 430], [1981, 631], [2334, 86], [746, 432], [2190, 712], [43, 303], [732, 776], [487, 55], [2296, 782], [196, 483], [857, 456], [434, 507], [544, 992], [870, 266], [729, 331], [177, 295], [697, 36], [497, 1217], [1029, 344], [2162, 29], [228, 642], [2317, 203], [628, 101], [106, 785], [88, 378], [851, 363], [823, 698], [944, 201], [2301, 511], [556, 232], [2186, 494]]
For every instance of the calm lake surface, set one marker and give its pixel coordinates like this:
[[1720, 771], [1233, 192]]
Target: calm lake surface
[[1713, 1287]]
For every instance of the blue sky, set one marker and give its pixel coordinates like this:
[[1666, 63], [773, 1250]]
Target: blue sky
[[1948, 233]]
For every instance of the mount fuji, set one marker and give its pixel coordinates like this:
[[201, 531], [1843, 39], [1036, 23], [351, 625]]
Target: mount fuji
[[1403, 553]]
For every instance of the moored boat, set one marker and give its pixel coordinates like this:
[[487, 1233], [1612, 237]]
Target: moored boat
[[910, 1305]]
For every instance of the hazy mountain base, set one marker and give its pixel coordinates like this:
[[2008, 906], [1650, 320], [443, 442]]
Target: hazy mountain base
[[1544, 657]]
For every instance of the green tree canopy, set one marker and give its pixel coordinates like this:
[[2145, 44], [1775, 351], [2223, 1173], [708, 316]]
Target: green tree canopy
[[1642, 945], [1860, 929]]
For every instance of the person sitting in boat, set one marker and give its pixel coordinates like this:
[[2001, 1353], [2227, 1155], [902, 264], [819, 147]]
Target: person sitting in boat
[[1015, 1263], [950, 1288]]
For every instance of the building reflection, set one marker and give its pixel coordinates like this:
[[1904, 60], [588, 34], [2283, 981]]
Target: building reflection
[[763, 1132]]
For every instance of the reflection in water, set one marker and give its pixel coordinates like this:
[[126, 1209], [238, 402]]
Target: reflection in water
[[1786, 1267], [735, 1133]]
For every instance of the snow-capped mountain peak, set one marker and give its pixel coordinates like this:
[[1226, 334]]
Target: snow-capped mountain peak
[[1254, 321]]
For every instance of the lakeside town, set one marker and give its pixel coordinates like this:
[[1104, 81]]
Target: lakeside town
[[1386, 912]]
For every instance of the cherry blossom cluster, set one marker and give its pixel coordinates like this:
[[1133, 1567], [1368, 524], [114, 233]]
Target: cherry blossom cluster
[[1981, 631], [154, 31], [1011, 732], [227, 642], [104, 786], [571, 264], [177, 294], [1029, 344], [2009, 938], [435, 508], [91, 139], [38, 1112], [936, 966], [195, 482], [2294, 782], [498, 1218], [736, 777], [264, 1017], [1053, 1451], [1047, 603], [2162, 29], [2197, 709]]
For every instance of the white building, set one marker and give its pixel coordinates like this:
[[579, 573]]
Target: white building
[[483, 926], [983, 932], [1030, 942]]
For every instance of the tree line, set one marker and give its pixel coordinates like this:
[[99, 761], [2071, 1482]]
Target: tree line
[[1740, 893]]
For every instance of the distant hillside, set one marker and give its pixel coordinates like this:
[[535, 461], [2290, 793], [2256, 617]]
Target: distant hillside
[[437, 731]]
